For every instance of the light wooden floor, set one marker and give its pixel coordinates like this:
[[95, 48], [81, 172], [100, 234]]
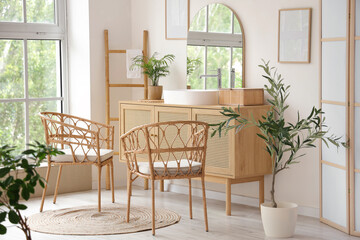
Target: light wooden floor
[[243, 225]]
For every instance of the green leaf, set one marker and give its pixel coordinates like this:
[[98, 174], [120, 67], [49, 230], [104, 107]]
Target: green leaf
[[29, 151], [2, 229], [13, 217], [25, 193], [20, 207], [8, 180], [4, 171], [42, 184], [3, 216]]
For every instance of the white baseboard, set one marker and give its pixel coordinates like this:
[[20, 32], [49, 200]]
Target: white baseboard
[[249, 201]]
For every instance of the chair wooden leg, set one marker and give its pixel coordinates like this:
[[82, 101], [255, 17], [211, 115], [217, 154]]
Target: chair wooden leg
[[129, 189], [57, 183], [112, 180], [99, 188], [45, 188], [190, 199], [161, 185], [204, 203], [146, 184], [153, 205]]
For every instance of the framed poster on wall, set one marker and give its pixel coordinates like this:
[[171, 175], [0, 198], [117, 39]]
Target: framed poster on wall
[[176, 19], [294, 35]]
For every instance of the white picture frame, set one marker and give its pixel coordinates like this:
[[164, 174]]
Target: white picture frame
[[294, 40], [176, 19]]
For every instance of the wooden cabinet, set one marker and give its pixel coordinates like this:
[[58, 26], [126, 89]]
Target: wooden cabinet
[[230, 159]]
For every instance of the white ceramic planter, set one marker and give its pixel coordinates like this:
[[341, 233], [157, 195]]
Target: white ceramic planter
[[279, 222]]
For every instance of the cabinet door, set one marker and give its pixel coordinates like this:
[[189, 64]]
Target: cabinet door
[[220, 150], [132, 115]]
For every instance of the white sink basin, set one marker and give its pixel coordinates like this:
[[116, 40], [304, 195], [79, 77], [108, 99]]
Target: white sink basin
[[191, 97]]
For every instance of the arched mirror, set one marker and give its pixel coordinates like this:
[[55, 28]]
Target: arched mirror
[[215, 41]]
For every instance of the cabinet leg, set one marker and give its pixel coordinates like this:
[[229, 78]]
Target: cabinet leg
[[228, 197], [161, 185], [146, 184], [261, 191], [107, 177]]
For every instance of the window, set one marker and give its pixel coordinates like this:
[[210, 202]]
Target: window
[[32, 67], [215, 38]]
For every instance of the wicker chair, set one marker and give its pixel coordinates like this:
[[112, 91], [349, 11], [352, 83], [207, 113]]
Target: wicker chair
[[84, 142], [173, 150]]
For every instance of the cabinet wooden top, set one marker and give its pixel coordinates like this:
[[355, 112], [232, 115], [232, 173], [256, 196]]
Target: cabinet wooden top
[[192, 106]]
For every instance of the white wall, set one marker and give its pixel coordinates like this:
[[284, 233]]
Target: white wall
[[79, 97], [79, 58], [260, 21], [113, 15]]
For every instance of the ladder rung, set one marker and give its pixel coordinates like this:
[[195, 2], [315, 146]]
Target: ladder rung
[[117, 51], [114, 119], [120, 51], [116, 153], [126, 85]]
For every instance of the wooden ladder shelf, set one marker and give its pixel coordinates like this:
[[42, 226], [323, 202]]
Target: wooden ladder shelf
[[109, 85]]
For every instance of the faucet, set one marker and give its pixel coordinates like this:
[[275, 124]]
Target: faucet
[[232, 78], [218, 76]]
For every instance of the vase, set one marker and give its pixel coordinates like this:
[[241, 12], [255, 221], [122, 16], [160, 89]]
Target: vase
[[155, 92], [279, 222]]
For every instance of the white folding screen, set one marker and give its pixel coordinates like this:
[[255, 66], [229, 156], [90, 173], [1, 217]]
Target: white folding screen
[[340, 100], [355, 79], [334, 102]]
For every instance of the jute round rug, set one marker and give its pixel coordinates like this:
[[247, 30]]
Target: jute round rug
[[87, 220]]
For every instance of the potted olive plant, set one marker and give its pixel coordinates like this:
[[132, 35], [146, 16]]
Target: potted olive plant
[[14, 185], [283, 141], [155, 68]]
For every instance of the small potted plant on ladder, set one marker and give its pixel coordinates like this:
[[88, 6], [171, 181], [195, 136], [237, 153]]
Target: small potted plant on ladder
[[155, 68], [283, 141]]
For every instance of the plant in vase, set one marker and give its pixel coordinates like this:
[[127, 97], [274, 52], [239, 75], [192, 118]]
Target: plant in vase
[[154, 68], [283, 141], [14, 184]]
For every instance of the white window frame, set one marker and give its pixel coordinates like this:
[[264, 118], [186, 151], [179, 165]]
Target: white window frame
[[214, 39], [39, 31]]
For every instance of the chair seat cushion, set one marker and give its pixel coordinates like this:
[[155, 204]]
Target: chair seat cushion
[[172, 167], [79, 154]]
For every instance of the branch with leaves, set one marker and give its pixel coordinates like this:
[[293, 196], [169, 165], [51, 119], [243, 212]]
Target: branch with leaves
[[279, 136], [192, 65], [154, 67], [12, 187]]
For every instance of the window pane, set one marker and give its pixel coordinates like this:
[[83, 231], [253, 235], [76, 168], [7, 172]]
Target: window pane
[[11, 11], [40, 11], [219, 18], [198, 24], [11, 69], [237, 28], [12, 124], [36, 129], [237, 64], [43, 68], [218, 57], [196, 52]]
